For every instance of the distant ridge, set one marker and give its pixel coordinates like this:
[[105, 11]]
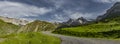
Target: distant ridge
[[76, 22], [14, 21]]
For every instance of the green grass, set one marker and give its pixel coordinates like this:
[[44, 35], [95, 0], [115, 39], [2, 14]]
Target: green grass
[[7, 28], [99, 30], [100, 27], [29, 38]]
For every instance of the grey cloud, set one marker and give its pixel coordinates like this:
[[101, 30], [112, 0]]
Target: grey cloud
[[53, 10], [14, 9]]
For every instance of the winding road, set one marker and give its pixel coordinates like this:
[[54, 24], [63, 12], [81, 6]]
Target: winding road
[[77, 40]]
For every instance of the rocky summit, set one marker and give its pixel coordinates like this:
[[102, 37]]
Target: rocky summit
[[75, 22]]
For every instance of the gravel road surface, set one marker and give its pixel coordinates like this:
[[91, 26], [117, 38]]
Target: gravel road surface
[[77, 40]]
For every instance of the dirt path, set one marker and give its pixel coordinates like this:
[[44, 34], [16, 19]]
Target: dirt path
[[76, 40]]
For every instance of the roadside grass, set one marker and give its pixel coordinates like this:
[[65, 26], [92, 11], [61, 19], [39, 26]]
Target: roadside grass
[[29, 38]]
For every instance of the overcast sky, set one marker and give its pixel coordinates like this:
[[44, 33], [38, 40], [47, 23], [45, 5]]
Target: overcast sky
[[54, 10]]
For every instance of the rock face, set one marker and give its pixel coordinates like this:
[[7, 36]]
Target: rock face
[[14, 21], [75, 22], [114, 9], [112, 12]]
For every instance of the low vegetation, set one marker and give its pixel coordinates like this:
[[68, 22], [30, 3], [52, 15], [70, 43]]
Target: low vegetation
[[7, 28], [29, 38], [37, 26], [28, 34], [98, 30]]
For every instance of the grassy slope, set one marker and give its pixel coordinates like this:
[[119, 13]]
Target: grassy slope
[[7, 28], [99, 30], [37, 26], [100, 27], [29, 38]]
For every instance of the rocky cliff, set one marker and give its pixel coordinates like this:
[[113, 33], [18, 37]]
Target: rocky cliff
[[112, 14]]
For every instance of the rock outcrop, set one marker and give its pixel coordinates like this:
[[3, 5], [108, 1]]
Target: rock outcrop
[[75, 22], [14, 21]]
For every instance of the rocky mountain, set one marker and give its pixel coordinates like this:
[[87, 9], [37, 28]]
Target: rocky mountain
[[112, 14], [75, 22], [14, 21]]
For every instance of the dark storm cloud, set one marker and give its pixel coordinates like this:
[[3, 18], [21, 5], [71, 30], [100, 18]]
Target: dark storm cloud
[[38, 3], [54, 10]]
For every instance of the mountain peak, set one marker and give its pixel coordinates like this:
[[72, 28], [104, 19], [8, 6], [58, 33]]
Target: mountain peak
[[81, 18], [75, 22]]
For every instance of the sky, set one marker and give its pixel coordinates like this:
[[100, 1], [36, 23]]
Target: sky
[[54, 10]]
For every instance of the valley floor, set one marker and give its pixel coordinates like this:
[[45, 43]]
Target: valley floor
[[77, 40]]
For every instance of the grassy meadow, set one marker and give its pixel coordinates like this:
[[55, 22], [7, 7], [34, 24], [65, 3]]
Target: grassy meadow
[[29, 38], [97, 30]]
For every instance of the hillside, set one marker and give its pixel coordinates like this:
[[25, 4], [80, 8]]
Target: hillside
[[7, 28], [107, 26], [32, 35], [37, 26]]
